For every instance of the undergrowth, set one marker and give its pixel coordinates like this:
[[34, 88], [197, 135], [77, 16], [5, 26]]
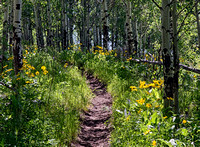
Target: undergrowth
[[137, 89], [43, 107]]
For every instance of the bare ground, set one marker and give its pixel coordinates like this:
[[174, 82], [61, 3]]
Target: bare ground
[[95, 127]]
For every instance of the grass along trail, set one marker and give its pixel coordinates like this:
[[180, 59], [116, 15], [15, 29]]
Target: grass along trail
[[95, 128]]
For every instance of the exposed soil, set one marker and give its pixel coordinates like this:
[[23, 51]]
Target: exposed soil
[[95, 127]]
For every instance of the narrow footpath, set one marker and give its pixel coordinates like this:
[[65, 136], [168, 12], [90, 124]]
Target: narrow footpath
[[95, 127]]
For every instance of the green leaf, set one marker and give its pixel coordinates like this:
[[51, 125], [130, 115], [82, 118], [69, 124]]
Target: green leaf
[[184, 132], [165, 142]]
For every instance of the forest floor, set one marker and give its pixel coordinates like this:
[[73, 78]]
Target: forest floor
[[95, 126]]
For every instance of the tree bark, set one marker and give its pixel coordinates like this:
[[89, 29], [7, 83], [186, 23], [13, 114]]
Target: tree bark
[[39, 29], [176, 58], [167, 58], [49, 23], [105, 25], [129, 28], [17, 33], [198, 25], [5, 35]]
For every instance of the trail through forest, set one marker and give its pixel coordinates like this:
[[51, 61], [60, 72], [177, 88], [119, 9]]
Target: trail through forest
[[95, 128]]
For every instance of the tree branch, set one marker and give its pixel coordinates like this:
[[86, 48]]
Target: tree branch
[[7, 86], [157, 5], [195, 70], [190, 68], [183, 22]]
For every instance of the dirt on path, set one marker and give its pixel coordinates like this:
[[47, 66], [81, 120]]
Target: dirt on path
[[95, 127]]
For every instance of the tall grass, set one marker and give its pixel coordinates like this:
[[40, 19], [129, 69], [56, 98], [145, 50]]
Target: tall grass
[[44, 109]]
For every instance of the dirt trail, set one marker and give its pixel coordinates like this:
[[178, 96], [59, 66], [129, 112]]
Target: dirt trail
[[95, 131]]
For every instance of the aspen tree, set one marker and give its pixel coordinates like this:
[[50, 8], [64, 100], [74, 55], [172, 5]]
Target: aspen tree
[[17, 34]]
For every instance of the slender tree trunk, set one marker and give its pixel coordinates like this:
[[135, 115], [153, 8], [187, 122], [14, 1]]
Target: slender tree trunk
[[167, 59], [11, 27], [64, 26], [105, 25], [39, 29], [5, 35], [71, 22], [129, 28], [198, 25], [176, 58], [135, 37], [49, 23], [17, 34]]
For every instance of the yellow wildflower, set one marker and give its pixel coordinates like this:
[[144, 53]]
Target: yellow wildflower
[[142, 83], [141, 101], [5, 66], [170, 98], [115, 55], [27, 72], [194, 76], [128, 118], [26, 51], [139, 111], [11, 58], [145, 133], [43, 68], [32, 75], [37, 73], [154, 143], [24, 61], [184, 121], [148, 105], [66, 64], [165, 117], [18, 79], [28, 82], [133, 88], [8, 70], [45, 72]]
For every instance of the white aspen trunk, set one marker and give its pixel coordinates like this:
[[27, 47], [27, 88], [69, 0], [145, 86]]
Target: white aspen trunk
[[17, 34]]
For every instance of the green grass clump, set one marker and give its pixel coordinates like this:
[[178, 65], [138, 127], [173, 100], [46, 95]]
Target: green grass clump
[[44, 107]]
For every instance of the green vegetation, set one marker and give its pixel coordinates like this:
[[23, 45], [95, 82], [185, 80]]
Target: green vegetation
[[43, 107], [138, 118]]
